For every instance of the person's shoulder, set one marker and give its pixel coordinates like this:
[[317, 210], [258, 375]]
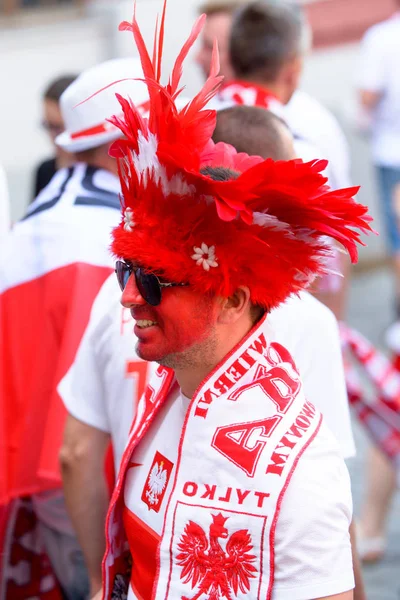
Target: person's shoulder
[[303, 324], [304, 103], [321, 464], [302, 308], [378, 32]]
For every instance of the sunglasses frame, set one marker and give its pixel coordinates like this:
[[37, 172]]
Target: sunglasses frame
[[123, 267]]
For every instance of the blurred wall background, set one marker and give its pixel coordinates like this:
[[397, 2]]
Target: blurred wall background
[[38, 43]]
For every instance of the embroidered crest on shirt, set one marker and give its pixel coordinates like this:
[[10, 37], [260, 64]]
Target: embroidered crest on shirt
[[157, 482], [217, 573]]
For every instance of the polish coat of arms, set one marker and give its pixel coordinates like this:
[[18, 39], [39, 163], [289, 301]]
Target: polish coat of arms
[[157, 482], [216, 572]]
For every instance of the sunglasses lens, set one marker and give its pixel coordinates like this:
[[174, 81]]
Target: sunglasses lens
[[123, 273], [149, 287]]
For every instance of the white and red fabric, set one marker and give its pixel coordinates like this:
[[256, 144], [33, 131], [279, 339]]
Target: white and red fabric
[[25, 568], [239, 92], [245, 433], [52, 264], [379, 415], [103, 386]]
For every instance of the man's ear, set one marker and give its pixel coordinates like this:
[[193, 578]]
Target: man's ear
[[290, 75], [235, 306]]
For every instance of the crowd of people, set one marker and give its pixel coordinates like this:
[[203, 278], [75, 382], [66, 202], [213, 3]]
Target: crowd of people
[[188, 439]]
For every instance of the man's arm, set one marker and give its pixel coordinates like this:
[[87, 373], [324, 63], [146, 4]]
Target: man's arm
[[82, 466], [359, 590]]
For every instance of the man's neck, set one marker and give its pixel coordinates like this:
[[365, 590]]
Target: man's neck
[[190, 378]]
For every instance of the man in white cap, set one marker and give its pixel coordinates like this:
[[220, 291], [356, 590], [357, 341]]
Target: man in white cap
[[51, 267]]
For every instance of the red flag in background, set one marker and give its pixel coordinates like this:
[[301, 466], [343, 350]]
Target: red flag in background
[[52, 265]]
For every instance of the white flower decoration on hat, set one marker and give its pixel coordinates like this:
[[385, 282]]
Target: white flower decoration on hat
[[129, 223], [205, 256]]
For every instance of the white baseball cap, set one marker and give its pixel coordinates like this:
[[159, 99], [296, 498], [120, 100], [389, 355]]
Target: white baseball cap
[[86, 124]]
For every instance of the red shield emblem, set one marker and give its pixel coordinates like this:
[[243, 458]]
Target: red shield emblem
[[157, 482]]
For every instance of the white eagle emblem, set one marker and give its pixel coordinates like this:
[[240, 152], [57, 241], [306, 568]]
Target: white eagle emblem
[[156, 483]]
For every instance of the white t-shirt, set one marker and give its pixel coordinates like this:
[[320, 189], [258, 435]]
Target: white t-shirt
[[309, 330], [101, 387], [309, 120], [379, 72], [312, 546]]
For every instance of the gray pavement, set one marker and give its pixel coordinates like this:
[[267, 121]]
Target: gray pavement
[[371, 311]]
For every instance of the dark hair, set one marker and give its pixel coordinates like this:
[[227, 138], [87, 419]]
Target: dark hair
[[219, 173], [225, 174], [264, 35], [253, 130], [56, 88]]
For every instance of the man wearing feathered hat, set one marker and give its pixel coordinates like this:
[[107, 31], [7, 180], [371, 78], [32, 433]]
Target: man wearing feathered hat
[[230, 486]]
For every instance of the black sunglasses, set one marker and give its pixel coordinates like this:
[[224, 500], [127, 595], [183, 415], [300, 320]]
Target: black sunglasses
[[148, 284]]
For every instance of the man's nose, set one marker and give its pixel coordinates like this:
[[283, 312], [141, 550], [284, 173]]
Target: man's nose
[[131, 295]]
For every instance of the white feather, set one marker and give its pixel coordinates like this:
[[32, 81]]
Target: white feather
[[271, 222]]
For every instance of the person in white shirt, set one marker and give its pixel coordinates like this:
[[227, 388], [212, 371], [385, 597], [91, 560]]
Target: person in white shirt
[[102, 389], [379, 94], [378, 82]]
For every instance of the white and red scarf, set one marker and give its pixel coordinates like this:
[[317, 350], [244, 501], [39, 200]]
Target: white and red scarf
[[379, 415], [250, 94], [245, 430]]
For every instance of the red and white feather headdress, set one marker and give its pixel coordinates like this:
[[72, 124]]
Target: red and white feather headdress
[[265, 229]]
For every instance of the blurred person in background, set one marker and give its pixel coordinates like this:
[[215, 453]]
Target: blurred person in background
[[5, 220], [52, 265], [262, 61], [103, 386], [53, 124], [379, 96]]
